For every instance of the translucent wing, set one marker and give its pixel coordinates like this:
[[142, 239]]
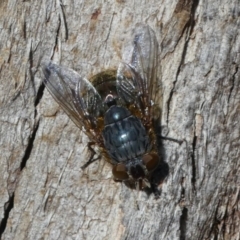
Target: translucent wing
[[76, 95], [137, 77]]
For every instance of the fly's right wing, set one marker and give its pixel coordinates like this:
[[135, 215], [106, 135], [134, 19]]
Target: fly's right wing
[[76, 95], [138, 81]]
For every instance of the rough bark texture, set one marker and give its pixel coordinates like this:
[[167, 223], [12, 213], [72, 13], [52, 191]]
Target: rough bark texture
[[45, 195]]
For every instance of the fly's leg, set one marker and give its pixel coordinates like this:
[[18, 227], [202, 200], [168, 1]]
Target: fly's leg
[[171, 139], [155, 190], [162, 132], [91, 159]]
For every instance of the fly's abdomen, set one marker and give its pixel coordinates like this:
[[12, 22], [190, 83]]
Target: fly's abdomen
[[124, 135]]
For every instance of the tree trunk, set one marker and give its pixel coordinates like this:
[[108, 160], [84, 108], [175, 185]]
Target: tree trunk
[[45, 194]]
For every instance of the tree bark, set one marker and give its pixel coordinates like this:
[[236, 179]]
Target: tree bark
[[45, 194]]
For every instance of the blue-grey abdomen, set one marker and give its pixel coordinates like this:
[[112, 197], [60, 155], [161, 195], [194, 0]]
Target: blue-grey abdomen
[[125, 137]]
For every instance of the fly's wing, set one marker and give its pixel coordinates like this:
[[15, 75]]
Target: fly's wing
[[76, 95], [137, 77]]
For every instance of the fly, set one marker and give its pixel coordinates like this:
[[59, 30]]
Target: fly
[[118, 113]]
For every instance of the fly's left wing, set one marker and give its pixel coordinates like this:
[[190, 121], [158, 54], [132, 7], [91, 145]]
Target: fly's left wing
[[76, 95], [138, 80]]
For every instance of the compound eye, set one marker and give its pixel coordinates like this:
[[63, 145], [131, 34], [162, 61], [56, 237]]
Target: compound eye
[[120, 172], [151, 161]]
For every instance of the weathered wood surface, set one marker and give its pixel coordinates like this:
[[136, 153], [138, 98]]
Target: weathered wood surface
[[45, 195]]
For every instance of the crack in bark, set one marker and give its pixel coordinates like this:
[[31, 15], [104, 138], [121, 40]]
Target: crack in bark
[[63, 16], [183, 217], [24, 30], [169, 101], [189, 26], [56, 38], [29, 147], [31, 73], [8, 206], [183, 223], [193, 179], [39, 94], [233, 83], [10, 203], [193, 11]]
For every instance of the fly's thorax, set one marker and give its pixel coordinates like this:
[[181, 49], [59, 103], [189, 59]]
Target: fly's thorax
[[115, 113]]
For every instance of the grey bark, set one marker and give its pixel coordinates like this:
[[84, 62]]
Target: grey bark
[[45, 195]]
